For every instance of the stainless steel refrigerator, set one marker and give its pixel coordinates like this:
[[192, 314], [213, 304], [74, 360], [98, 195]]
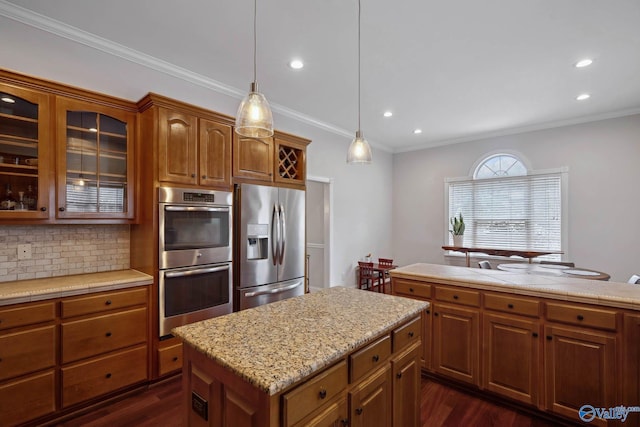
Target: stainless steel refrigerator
[[270, 244]]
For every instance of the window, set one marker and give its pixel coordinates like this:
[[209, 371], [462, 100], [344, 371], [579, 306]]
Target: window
[[505, 206]]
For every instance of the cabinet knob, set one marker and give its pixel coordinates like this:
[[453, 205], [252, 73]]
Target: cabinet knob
[[61, 209], [375, 357], [411, 334], [108, 334], [549, 337], [428, 311], [175, 358], [399, 375], [193, 175], [510, 305], [108, 302], [358, 411], [455, 297], [580, 317], [534, 334], [410, 289], [435, 314], [345, 422], [43, 209], [322, 394], [108, 375], [204, 176]]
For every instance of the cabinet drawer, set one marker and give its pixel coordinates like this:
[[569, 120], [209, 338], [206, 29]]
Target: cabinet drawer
[[312, 394], [99, 376], [90, 337], [406, 334], [28, 398], [410, 288], [369, 358], [103, 302], [509, 304], [169, 359], [582, 316], [458, 296], [27, 315], [27, 351]]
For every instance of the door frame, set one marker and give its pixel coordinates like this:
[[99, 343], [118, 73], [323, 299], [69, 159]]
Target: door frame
[[328, 224]]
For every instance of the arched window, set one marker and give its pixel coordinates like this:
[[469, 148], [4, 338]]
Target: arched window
[[507, 206], [500, 165]]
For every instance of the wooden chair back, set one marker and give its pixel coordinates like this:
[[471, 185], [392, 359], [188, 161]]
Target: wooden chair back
[[385, 262]]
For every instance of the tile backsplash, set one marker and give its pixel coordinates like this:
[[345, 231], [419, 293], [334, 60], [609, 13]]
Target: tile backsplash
[[62, 250]]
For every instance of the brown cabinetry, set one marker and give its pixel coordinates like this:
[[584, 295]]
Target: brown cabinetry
[[370, 400], [405, 374], [169, 358], [420, 291], [67, 155], [280, 159], [27, 362]]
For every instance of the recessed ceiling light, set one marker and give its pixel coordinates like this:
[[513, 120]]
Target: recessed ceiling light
[[584, 63], [388, 114], [417, 131], [296, 64], [583, 96], [8, 100]]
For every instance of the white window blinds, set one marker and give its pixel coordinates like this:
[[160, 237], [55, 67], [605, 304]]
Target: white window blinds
[[521, 212]]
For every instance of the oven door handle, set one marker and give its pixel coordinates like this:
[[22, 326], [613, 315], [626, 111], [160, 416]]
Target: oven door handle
[[273, 291], [194, 209], [171, 274]]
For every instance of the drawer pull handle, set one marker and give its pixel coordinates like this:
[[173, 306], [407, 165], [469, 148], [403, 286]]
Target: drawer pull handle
[[510, 305], [410, 289], [108, 375], [549, 337], [580, 317], [61, 208], [358, 411], [175, 358], [204, 176], [375, 357], [108, 334], [455, 297], [323, 393], [534, 334], [43, 209], [411, 334], [428, 311], [108, 302], [193, 175], [435, 314], [399, 375]]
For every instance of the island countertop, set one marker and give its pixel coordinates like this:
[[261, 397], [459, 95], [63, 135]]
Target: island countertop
[[612, 294], [21, 291], [275, 345]]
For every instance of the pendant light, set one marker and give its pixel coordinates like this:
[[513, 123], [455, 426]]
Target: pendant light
[[359, 150], [254, 118]]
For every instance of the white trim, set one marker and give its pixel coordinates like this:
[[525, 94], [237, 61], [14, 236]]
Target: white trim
[[50, 25], [508, 152], [315, 245], [328, 225]]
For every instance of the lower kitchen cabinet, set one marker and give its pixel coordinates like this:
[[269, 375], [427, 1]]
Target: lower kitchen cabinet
[[169, 357], [512, 357], [405, 373], [631, 367], [456, 342], [28, 398], [370, 400], [580, 369], [336, 414]]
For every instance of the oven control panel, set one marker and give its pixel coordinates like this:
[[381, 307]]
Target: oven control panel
[[198, 197]]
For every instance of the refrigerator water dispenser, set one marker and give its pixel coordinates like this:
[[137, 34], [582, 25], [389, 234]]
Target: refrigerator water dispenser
[[257, 241]]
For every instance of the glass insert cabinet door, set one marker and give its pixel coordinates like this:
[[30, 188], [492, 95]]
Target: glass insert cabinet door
[[24, 153], [95, 147]]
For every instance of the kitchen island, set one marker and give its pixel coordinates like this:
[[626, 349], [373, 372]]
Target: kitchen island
[[548, 343], [341, 354]]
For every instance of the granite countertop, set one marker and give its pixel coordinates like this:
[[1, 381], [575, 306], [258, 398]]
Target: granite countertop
[[63, 286], [275, 345], [612, 294]]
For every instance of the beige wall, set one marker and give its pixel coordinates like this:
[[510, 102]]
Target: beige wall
[[62, 250], [603, 159]]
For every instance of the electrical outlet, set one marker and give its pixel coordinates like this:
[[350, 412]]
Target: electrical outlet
[[24, 251]]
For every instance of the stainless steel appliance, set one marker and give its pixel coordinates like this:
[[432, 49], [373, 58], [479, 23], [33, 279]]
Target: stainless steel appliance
[[270, 244], [195, 252]]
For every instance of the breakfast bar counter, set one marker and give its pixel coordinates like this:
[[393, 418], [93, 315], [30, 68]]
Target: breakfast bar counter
[[292, 360]]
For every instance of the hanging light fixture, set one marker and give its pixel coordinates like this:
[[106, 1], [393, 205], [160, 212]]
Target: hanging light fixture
[[254, 118], [359, 150]]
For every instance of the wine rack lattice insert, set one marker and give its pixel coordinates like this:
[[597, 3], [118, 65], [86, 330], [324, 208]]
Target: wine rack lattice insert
[[289, 162]]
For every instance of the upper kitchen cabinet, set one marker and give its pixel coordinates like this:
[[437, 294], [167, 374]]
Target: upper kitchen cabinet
[[95, 160], [25, 146], [281, 159], [193, 144]]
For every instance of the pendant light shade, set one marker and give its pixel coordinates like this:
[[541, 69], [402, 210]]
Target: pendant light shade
[[254, 118], [359, 150]]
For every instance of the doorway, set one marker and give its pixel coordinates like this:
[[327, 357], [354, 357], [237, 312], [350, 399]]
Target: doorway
[[319, 233]]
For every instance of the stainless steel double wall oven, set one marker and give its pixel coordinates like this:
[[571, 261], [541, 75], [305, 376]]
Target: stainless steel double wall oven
[[195, 253]]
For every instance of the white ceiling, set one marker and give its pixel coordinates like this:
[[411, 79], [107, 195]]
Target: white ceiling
[[457, 69]]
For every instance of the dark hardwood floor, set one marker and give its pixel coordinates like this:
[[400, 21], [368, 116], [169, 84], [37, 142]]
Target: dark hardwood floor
[[442, 406]]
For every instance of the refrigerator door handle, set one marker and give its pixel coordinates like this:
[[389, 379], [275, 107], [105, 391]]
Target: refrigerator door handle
[[283, 233], [273, 291], [275, 234]]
